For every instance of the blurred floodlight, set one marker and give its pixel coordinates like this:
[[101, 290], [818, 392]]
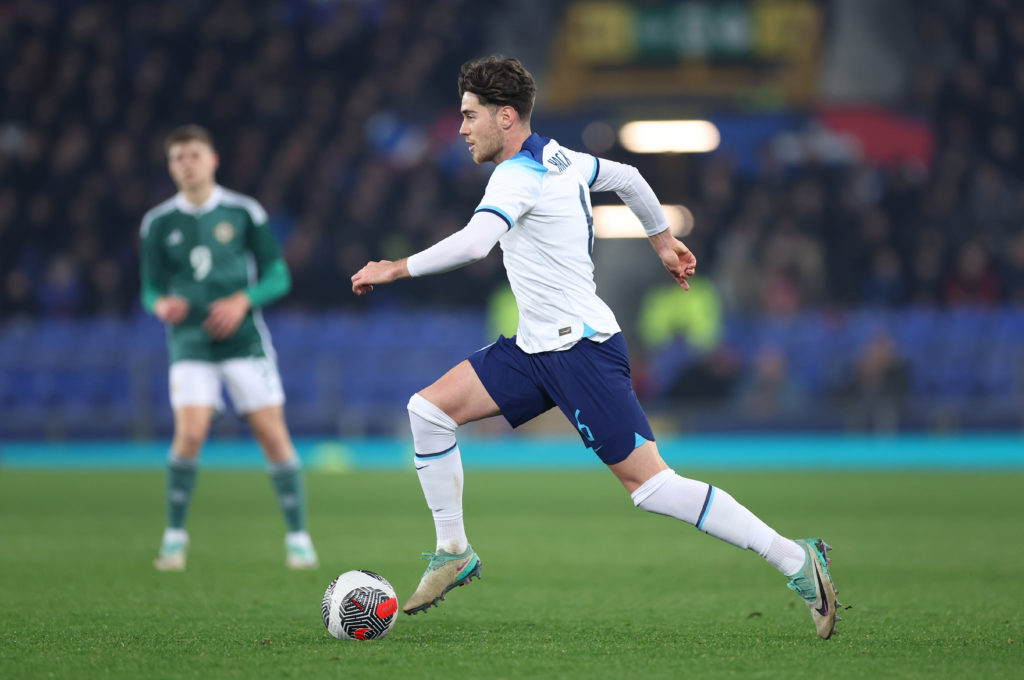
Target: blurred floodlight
[[669, 136], [618, 221]]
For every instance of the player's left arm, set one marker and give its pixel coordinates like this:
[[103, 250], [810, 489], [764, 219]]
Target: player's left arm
[[626, 181], [226, 314], [680, 262]]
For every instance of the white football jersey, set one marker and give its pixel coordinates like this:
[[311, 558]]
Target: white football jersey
[[543, 195]]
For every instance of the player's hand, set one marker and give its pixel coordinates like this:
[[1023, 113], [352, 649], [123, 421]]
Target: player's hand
[[378, 273], [171, 309], [226, 315], [677, 258]]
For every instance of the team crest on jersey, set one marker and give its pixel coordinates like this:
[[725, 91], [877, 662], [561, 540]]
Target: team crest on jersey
[[174, 238], [224, 232]]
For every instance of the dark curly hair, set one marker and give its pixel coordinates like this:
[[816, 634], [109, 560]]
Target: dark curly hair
[[499, 81]]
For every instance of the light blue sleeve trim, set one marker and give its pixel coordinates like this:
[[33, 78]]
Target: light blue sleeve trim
[[597, 166], [707, 506], [497, 211]]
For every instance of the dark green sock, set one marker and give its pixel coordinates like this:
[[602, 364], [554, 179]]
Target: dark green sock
[[181, 479], [287, 479]]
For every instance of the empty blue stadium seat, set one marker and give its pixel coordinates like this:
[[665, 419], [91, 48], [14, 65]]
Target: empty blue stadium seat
[[362, 368]]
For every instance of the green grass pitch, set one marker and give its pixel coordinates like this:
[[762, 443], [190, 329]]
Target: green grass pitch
[[576, 582]]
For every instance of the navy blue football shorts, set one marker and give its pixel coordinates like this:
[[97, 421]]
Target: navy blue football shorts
[[589, 382]]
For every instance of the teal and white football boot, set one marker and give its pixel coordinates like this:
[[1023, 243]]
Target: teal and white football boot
[[814, 584], [299, 551], [173, 546], [444, 572]]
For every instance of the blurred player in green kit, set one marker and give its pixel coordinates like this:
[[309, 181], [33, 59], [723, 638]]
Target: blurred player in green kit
[[209, 263]]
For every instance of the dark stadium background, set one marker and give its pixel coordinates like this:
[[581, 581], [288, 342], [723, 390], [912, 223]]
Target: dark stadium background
[[860, 230]]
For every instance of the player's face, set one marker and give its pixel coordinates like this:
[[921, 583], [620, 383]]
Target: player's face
[[480, 128], [192, 165]]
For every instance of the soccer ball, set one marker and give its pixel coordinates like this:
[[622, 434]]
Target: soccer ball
[[359, 605]]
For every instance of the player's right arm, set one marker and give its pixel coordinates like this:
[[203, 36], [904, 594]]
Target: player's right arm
[[511, 190], [168, 308], [468, 245]]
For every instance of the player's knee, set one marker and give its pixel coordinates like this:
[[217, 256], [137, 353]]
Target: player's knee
[[188, 440], [277, 448], [432, 428], [642, 495], [419, 407], [272, 435], [414, 405]]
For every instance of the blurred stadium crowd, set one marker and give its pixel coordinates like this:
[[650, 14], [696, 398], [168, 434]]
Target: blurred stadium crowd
[[298, 95], [341, 118], [945, 233]]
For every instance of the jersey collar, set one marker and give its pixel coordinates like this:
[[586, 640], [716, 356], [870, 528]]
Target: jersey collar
[[534, 147], [182, 204]]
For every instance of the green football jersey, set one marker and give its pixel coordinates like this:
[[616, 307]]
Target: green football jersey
[[203, 253]]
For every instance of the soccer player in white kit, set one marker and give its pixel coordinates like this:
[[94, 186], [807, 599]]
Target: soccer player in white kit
[[568, 350]]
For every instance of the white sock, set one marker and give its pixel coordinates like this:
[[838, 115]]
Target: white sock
[[299, 538], [175, 535], [787, 556], [439, 466], [715, 512]]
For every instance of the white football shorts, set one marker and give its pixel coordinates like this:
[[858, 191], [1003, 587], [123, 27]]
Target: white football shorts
[[253, 383]]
